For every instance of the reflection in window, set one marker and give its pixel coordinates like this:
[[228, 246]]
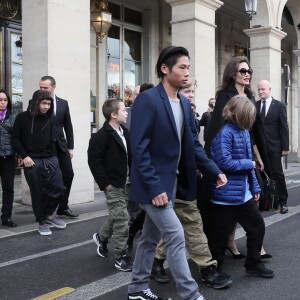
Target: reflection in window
[[113, 67], [16, 74]]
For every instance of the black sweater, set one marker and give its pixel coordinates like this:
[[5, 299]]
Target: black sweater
[[33, 137]]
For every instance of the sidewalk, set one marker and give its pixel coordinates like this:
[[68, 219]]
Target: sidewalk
[[24, 217]]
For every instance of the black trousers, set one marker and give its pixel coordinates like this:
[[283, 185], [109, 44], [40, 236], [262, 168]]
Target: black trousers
[[46, 186], [225, 218], [278, 176], [7, 174], [65, 165]]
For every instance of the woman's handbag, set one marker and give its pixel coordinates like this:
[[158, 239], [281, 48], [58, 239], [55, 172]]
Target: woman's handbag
[[268, 199]]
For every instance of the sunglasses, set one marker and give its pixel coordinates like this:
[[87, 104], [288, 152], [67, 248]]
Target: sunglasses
[[244, 71]]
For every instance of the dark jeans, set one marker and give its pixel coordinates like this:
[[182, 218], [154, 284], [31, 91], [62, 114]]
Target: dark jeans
[[225, 218], [65, 165], [7, 174], [278, 176], [137, 223], [46, 186]]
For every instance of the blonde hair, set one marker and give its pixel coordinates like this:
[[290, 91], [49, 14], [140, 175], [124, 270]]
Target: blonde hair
[[190, 83], [240, 111]]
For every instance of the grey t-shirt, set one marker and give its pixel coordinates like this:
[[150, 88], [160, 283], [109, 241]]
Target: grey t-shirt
[[178, 116]]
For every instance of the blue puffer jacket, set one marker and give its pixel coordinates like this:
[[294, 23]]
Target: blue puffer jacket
[[231, 151]]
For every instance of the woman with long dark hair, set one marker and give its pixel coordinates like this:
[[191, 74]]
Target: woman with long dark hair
[[7, 159], [236, 81]]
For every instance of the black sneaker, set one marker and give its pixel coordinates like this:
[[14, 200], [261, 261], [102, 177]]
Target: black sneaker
[[145, 295], [260, 270], [212, 278], [101, 245], [158, 273], [124, 263]]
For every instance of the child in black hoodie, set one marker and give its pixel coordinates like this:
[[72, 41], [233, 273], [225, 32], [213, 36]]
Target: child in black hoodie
[[34, 140]]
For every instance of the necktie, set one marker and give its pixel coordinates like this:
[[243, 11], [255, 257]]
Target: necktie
[[263, 110]]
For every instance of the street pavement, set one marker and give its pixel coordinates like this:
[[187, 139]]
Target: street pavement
[[66, 266]]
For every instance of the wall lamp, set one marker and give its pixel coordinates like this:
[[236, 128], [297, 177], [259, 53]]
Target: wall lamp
[[101, 19], [251, 7]]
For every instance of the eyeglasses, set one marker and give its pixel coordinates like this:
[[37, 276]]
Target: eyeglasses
[[243, 71]]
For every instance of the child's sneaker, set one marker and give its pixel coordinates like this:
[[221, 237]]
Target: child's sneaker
[[101, 245], [124, 263]]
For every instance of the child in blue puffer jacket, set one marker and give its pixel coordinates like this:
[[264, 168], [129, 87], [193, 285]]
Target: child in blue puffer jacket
[[236, 201]]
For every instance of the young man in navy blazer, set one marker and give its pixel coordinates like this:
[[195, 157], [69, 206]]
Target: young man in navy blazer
[[165, 157]]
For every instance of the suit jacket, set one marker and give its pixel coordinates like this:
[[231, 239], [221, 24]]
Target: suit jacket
[[275, 125], [156, 149], [63, 128]]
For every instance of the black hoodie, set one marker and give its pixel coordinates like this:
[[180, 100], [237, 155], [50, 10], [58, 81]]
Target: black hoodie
[[33, 132]]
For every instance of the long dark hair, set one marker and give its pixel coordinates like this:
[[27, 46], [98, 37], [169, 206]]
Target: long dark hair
[[229, 73], [9, 103]]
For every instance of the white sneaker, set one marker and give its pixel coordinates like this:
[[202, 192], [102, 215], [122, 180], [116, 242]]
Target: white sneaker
[[56, 222], [44, 229]]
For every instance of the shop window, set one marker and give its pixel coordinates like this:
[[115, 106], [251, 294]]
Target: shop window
[[124, 55]]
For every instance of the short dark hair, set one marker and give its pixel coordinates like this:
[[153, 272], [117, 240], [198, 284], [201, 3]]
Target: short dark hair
[[109, 106], [9, 103], [169, 57], [52, 80], [146, 86], [240, 111]]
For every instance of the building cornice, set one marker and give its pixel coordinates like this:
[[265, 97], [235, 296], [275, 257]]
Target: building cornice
[[265, 30], [212, 4]]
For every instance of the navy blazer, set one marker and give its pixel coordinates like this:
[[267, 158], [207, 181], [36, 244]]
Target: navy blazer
[[63, 125], [275, 125], [155, 149]]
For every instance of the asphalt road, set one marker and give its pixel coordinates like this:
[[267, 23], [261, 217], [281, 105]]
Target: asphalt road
[[32, 265]]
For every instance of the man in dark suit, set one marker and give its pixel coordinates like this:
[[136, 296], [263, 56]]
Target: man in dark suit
[[276, 131], [165, 150], [64, 143]]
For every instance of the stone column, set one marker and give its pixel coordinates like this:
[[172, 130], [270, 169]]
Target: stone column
[[193, 27], [297, 53], [265, 56], [56, 42]]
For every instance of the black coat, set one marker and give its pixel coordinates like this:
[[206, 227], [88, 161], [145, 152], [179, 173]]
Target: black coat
[[63, 128], [107, 157], [275, 125], [217, 122]]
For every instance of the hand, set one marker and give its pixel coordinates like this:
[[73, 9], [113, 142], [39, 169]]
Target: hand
[[254, 164], [71, 153], [160, 200], [261, 165], [222, 180], [285, 153], [28, 162], [256, 197]]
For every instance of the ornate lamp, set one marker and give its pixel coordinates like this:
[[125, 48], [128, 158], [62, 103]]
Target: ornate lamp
[[18, 44], [251, 7], [101, 19]]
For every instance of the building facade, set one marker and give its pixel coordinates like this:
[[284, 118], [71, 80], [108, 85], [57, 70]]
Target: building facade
[[58, 40]]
